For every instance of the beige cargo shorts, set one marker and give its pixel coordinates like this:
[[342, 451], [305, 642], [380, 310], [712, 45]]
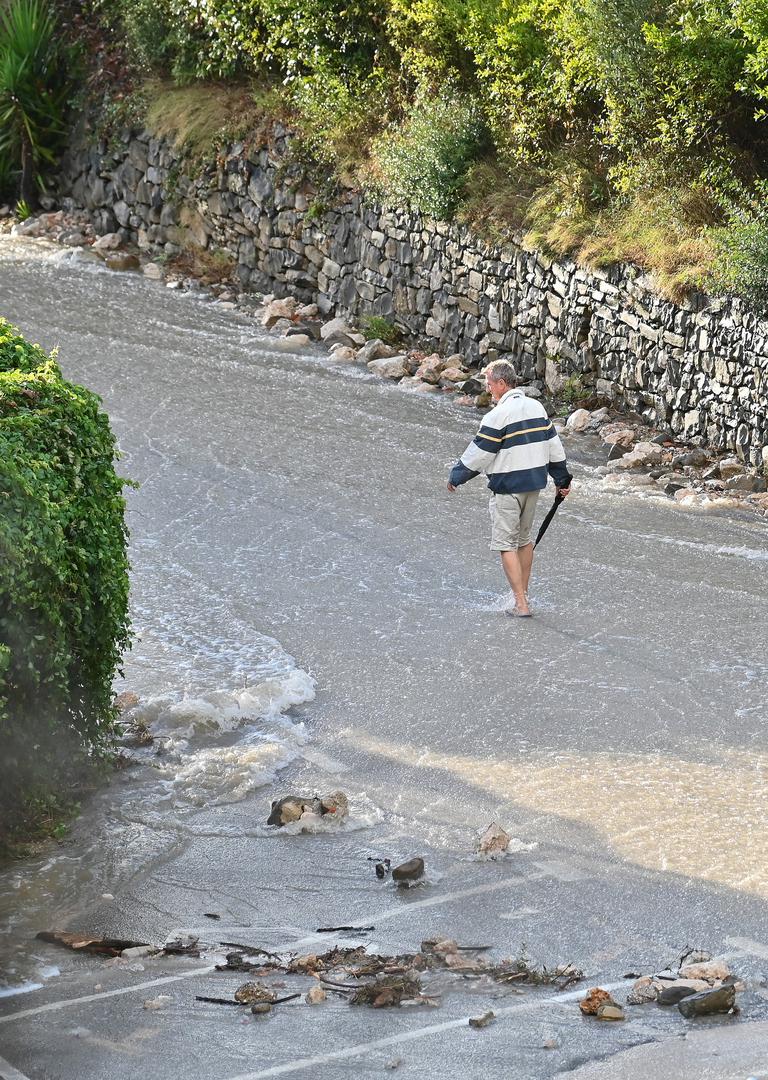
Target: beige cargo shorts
[[512, 520]]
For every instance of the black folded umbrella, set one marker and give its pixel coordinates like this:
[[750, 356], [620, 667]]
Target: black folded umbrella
[[546, 522]]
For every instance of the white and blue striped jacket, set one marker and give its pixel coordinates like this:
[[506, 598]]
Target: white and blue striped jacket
[[517, 447]]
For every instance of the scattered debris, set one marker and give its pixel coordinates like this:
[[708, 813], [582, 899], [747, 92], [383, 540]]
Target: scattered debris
[[388, 991], [159, 1002], [216, 1000], [350, 929], [594, 999], [720, 1000], [104, 946], [315, 995], [182, 945], [412, 870], [493, 842], [211, 915], [482, 1021], [382, 869]]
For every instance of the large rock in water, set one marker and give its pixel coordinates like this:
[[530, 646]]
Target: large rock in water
[[295, 807], [393, 367]]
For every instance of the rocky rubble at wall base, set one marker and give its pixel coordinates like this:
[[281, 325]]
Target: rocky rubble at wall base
[[639, 456], [698, 367]]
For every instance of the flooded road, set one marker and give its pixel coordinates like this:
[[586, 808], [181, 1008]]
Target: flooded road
[[314, 611]]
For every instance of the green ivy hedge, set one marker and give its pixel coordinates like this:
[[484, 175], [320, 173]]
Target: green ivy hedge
[[63, 573]]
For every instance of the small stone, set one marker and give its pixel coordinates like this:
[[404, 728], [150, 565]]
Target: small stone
[[411, 870], [335, 804], [394, 367], [710, 970], [343, 354], [375, 350], [550, 1044], [493, 841], [294, 343], [696, 459], [337, 330], [482, 1021], [617, 451], [153, 271], [721, 1000], [609, 1010], [136, 952], [315, 995], [108, 242], [251, 993], [594, 999], [159, 1002], [287, 809], [261, 1008], [643, 991], [277, 309], [122, 261], [672, 995], [578, 420], [745, 482], [440, 946], [624, 437], [729, 467]]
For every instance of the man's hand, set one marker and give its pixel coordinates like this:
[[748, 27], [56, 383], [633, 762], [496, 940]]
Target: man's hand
[[451, 487], [563, 491]]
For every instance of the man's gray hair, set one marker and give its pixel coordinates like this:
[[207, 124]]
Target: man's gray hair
[[501, 371]]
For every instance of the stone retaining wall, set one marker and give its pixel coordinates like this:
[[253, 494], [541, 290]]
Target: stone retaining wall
[[700, 368]]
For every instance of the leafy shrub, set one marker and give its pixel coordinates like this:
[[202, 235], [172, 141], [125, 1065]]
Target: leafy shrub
[[425, 161], [36, 82], [741, 256], [377, 327], [63, 570], [337, 117]]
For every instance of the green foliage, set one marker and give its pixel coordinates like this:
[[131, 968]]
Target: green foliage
[[337, 117], [36, 83], [425, 162], [174, 38], [22, 210], [377, 327], [741, 259], [63, 570], [297, 37], [573, 389], [594, 118]]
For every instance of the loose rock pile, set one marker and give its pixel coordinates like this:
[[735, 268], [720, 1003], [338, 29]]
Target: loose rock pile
[[638, 455], [652, 459]]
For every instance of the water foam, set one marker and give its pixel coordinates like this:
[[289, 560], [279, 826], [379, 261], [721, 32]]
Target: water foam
[[204, 775]]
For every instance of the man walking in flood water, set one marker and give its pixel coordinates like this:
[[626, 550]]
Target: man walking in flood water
[[518, 449]]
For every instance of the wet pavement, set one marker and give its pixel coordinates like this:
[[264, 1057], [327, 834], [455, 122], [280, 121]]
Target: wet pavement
[[290, 508]]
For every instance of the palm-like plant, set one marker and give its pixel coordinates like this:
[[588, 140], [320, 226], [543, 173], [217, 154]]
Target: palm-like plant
[[35, 88]]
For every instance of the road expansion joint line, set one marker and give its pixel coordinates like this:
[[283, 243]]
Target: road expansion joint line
[[410, 1036], [53, 1006], [7, 1071]]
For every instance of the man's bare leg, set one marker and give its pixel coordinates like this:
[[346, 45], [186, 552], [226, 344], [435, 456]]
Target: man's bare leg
[[513, 571], [525, 555]]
